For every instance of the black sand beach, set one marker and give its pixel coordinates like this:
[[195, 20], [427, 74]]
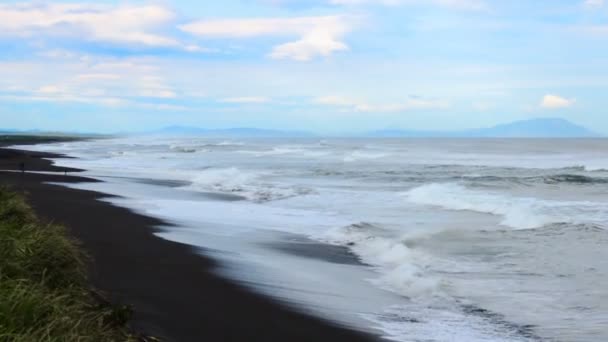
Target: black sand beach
[[174, 291]]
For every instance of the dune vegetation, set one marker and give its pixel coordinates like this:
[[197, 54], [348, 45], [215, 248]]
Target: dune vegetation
[[44, 294]]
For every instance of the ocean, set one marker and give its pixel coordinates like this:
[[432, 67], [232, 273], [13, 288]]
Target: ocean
[[411, 239]]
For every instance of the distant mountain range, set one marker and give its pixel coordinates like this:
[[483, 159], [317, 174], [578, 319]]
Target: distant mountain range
[[228, 132], [535, 128]]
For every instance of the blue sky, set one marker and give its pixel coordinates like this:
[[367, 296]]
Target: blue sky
[[328, 66]]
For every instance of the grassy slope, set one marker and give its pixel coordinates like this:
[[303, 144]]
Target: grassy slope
[[44, 294]]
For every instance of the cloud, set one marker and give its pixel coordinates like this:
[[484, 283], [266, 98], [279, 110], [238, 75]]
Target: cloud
[[556, 102], [318, 36], [317, 42], [102, 81], [333, 100], [153, 86], [102, 101], [50, 89], [593, 4], [58, 53], [363, 2], [468, 5], [247, 99], [121, 25], [92, 77], [351, 105]]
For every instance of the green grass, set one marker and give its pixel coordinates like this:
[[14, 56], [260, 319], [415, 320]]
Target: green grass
[[44, 294]]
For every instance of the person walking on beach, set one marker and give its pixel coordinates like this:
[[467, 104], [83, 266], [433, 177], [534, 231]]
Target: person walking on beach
[[22, 167]]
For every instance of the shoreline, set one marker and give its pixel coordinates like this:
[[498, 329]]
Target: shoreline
[[175, 292]]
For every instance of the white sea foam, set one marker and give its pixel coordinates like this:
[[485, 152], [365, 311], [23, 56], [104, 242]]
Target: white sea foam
[[197, 146], [400, 268], [250, 185], [230, 143], [441, 322], [359, 155], [516, 212], [280, 151]]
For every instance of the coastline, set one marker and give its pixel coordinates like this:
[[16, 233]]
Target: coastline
[[174, 291]]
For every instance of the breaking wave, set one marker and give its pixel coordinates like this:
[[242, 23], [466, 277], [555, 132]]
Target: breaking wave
[[359, 155], [516, 212], [572, 179], [401, 269], [565, 178], [203, 147], [249, 185]]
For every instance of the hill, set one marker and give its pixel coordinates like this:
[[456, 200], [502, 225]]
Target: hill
[[535, 128]]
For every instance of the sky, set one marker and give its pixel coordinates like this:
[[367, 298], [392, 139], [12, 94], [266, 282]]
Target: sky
[[327, 66]]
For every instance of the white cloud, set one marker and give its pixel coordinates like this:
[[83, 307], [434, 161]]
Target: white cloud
[[246, 99], [317, 42], [468, 5], [65, 97], [196, 48], [362, 2], [123, 24], [97, 100], [164, 107], [358, 106], [50, 89], [92, 77], [58, 53], [153, 86], [333, 100], [107, 82], [593, 4], [556, 102], [319, 36]]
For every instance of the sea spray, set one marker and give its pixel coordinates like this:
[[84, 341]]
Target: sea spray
[[401, 269]]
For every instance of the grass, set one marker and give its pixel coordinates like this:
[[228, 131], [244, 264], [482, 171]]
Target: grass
[[44, 294]]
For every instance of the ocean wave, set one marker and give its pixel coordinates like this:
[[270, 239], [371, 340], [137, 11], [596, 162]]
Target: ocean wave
[[567, 228], [184, 149], [589, 166], [516, 212], [560, 178], [203, 147], [229, 143], [572, 179], [431, 313], [359, 155], [271, 152], [442, 321], [401, 269], [247, 184], [122, 153]]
